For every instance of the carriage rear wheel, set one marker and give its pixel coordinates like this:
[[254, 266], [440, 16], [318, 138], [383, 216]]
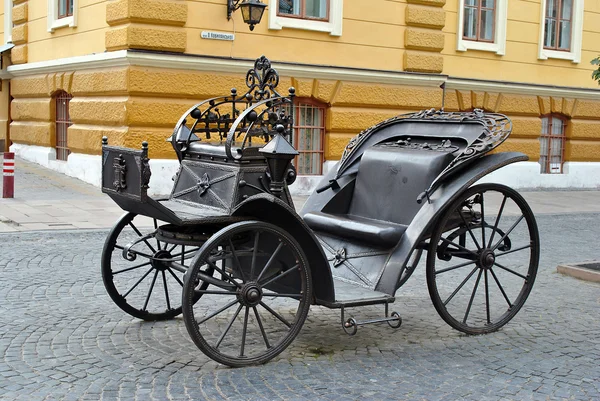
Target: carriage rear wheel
[[483, 258], [258, 299], [136, 268]]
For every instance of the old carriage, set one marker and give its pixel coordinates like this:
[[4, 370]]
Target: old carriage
[[228, 250]]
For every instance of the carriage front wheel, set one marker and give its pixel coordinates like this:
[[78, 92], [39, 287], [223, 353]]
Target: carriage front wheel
[[483, 258], [255, 304]]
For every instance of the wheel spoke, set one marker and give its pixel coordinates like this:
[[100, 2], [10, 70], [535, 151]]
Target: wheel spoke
[[164, 277], [487, 296], [244, 331], [277, 315], [215, 313], [482, 220], [262, 329], [461, 285], [223, 274], [472, 297], [254, 251], [271, 259], [213, 292], [462, 248], [508, 232], [182, 254], [173, 247], [497, 221], [510, 271], [469, 229], [279, 276], [235, 315], [176, 255], [150, 290], [140, 234], [237, 261], [175, 276], [281, 295], [454, 267], [131, 268], [514, 250], [138, 282], [501, 288], [156, 228]]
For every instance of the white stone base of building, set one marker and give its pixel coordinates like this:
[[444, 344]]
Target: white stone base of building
[[523, 175]]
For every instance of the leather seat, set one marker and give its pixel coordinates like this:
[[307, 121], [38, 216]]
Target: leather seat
[[384, 199], [373, 231]]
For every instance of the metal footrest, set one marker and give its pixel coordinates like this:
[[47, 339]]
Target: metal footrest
[[350, 325]]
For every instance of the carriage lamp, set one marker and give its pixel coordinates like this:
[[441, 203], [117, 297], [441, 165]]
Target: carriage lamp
[[252, 10], [279, 154]]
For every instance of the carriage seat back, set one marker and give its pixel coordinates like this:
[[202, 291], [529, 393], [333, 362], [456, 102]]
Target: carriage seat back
[[391, 177]]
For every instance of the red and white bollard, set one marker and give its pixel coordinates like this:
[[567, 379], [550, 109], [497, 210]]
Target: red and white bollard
[[8, 184]]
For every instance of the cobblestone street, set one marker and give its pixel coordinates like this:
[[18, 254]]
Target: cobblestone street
[[61, 337]]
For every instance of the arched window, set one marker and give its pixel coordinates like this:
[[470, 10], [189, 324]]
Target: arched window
[[552, 143], [63, 121], [309, 135]]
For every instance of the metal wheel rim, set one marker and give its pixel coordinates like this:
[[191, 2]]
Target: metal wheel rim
[[481, 277], [225, 307], [137, 286]]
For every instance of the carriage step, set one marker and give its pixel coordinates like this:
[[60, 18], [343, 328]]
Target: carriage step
[[350, 325]]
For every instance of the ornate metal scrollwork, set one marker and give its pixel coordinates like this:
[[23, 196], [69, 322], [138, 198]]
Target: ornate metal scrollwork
[[120, 169], [240, 118], [444, 146], [496, 128], [203, 184], [262, 80]]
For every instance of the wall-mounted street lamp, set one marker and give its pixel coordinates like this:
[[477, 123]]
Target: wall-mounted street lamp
[[252, 10]]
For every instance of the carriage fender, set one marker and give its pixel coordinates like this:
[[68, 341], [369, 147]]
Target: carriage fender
[[268, 208], [431, 211]]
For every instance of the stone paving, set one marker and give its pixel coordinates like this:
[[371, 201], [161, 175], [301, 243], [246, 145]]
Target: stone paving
[[61, 337]]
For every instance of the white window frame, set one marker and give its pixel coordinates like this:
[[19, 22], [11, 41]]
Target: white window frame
[[576, 35], [333, 26], [54, 22], [499, 44], [8, 6]]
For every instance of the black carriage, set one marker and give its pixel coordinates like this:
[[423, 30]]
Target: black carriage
[[228, 250]]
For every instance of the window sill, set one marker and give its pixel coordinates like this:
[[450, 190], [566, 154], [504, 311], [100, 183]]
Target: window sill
[[62, 23], [545, 54], [464, 45]]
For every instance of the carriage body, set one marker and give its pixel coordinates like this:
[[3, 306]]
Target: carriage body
[[228, 233]]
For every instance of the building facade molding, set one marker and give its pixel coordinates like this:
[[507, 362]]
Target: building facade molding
[[124, 58]]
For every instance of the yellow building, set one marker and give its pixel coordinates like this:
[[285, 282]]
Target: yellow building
[[127, 69]]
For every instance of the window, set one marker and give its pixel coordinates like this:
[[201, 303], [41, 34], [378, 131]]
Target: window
[[62, 13], [309, 9], [312, 15], [65, 8], [479, 20], [309, 132], [552, 144], [561, 30], [482, 25], [63, 121]]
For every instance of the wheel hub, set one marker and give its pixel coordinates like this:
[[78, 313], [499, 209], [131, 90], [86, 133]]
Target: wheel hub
[[487, 259], [250, 294], [159, 260]]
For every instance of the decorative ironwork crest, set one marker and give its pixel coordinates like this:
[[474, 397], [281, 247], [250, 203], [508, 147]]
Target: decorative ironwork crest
[[262, 79], [145, 166], [339, 257], [203, 184], [120, 167]]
